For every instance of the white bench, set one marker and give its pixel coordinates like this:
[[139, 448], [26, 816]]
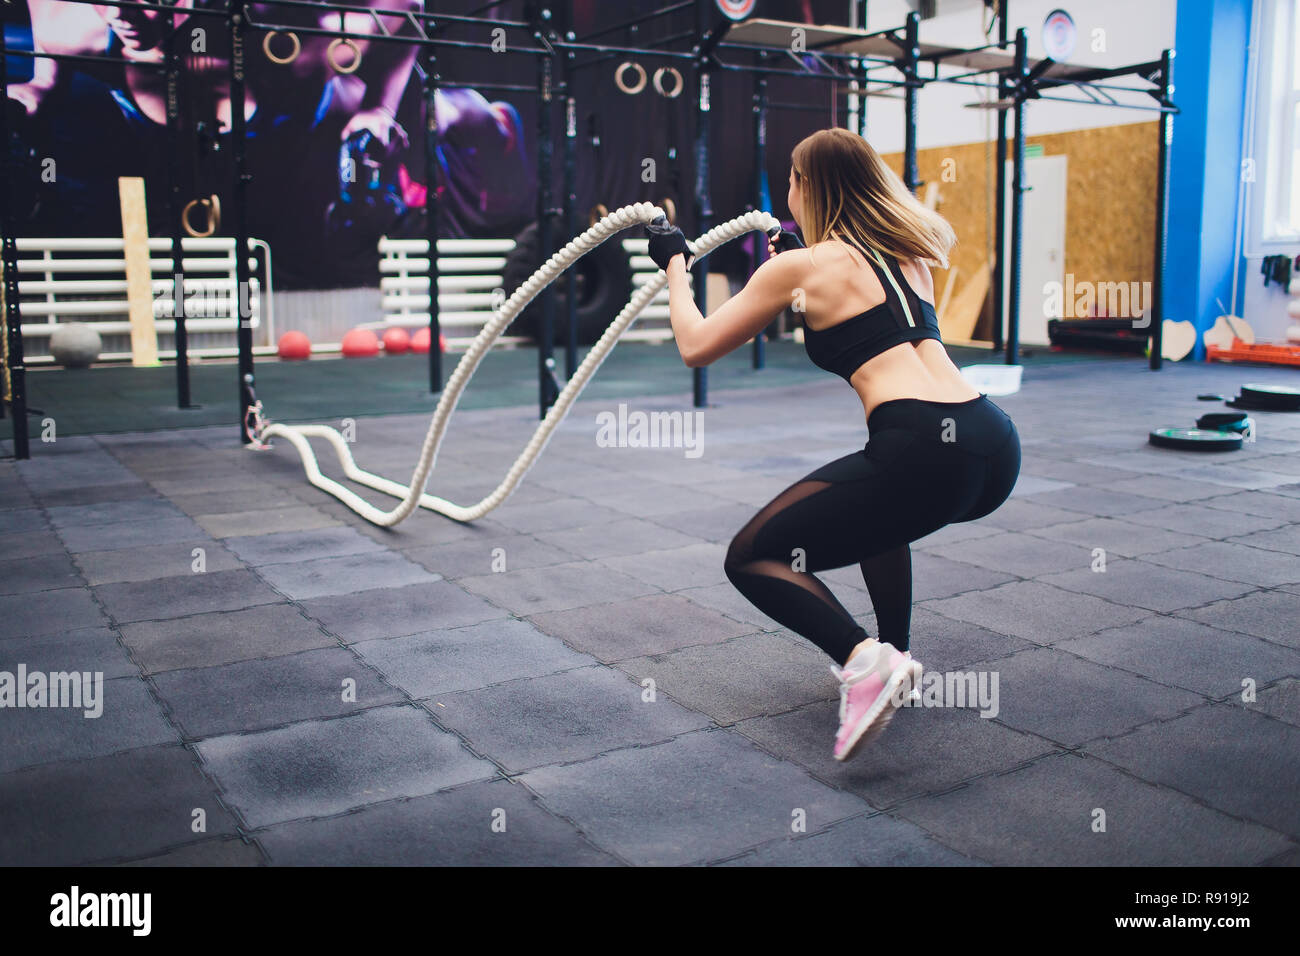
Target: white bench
[[471, 287], [54, 288]]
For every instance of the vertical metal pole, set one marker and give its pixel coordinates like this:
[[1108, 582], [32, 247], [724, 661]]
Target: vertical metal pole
[[911, 74], [1000, 214], [760, 161], [432, 203], [243, 293], [703, 200], [856, 101], [13, 317], [1017, 200], [175, 143], [1162, 211], [861, 70], [570, 219], [545, 240]]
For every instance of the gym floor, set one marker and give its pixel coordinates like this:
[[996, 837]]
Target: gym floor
[[1123, 691], [110, 399]]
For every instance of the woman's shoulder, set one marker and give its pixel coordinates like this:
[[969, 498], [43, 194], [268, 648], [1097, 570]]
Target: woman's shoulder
[[918, 274]]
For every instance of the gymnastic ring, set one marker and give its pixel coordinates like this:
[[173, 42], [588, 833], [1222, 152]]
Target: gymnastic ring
[[356, 55], [213, 205], [659, 82], [598, 212], [282, 60], [622, 84], [670, 210]]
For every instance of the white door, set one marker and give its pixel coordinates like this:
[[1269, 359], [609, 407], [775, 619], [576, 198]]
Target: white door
[[1042, 250]]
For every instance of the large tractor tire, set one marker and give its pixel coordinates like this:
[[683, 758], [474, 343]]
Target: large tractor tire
[[604, 284]]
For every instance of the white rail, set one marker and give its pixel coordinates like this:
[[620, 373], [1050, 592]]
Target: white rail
[[60, 290], [470, 273]]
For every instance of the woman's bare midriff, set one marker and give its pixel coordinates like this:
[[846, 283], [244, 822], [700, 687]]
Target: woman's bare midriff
[[911, 370], [841, 286]]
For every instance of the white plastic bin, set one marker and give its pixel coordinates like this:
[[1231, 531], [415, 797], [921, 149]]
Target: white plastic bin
[[994, 379]]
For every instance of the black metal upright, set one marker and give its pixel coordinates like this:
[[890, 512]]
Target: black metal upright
[[1000, 215], [540, 17], [432, 170], [911, 75], [1017, 199], [703, 196], [1162, 209], [239, 197], [570, 198], [760, 164], [13, 317], [175, 143], [859, 19]]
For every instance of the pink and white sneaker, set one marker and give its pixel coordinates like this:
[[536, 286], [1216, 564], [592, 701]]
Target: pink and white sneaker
[[872, 686]]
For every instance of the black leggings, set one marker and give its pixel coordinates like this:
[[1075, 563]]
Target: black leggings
[[928, 464]]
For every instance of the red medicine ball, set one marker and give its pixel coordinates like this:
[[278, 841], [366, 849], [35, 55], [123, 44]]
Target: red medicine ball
[[420, 341], [294, 345], [360, 343], [396, 341]]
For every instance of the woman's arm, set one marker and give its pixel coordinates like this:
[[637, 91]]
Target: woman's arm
[[385, 70], [701, 341], [58, 28]]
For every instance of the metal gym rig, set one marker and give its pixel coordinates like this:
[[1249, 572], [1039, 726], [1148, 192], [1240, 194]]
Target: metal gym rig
[[847, 55]]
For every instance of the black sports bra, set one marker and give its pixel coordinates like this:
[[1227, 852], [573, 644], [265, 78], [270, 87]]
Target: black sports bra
[[903, 317]]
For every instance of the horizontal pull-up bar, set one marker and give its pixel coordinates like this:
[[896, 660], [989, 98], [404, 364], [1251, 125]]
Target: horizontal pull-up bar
[[805, 74], [420, 41], [613, 53]]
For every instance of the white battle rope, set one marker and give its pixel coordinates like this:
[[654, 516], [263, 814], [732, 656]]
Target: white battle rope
[[413, 495]]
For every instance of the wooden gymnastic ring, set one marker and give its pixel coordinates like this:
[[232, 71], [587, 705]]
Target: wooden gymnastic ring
[[670, 210], [622, 85], [282, 60], [213, 206], [356, 55], [659, 82], [598, 212]]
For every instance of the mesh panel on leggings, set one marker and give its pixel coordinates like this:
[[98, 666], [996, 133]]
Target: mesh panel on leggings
[[796, 599]]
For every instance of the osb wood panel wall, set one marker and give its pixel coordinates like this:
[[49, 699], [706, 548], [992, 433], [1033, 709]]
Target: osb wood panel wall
[[1110, 204]]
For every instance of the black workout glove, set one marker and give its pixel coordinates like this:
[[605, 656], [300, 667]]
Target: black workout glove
[[665, 242], [785, 241]]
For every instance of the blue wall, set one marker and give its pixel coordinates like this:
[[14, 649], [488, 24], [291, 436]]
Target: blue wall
[[1205, 159]]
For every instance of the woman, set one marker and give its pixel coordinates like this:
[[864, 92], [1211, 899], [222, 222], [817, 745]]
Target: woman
[[939, 451]]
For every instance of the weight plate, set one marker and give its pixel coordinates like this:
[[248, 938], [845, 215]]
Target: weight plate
[[1276, 397], [1195, 439], [1223, 421], [1210, 398], [1246, 406], [1261, 405]]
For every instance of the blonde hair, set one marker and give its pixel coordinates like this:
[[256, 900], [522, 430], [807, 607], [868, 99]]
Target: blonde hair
[[851, 195]]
